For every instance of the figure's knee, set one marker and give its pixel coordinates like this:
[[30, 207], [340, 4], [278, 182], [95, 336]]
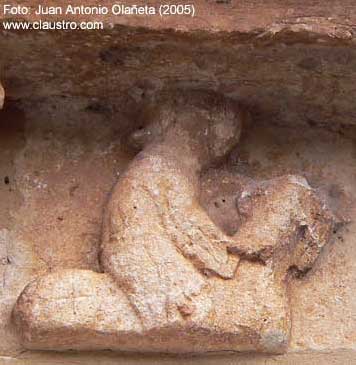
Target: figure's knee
[[68, 303]]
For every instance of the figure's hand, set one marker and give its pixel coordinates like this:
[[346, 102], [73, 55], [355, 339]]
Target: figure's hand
[[206, 245]]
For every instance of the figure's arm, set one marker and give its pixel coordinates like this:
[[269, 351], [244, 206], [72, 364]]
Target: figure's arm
[[202, 242]]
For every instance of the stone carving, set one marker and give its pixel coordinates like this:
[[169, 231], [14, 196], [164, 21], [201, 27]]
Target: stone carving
[[172, 280]]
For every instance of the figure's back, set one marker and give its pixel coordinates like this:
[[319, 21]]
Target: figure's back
[[138, 248]]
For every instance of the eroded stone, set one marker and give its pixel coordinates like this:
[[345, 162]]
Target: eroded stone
[[173, 281]]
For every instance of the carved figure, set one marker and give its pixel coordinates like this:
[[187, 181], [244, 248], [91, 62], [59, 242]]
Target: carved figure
[[172, 280]]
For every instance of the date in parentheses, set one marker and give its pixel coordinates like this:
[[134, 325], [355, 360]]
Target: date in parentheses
[[179, 9]]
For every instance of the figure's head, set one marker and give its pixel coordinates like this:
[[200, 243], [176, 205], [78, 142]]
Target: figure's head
[[207, 122]]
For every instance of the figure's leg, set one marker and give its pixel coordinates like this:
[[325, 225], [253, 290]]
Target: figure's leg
[[160, 283], [252, 310], [75, 309], [84, 310]]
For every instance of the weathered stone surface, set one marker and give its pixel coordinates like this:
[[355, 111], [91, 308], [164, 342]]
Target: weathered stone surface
[[60, 175], [169, 270], [341, 357], [291, 64]]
